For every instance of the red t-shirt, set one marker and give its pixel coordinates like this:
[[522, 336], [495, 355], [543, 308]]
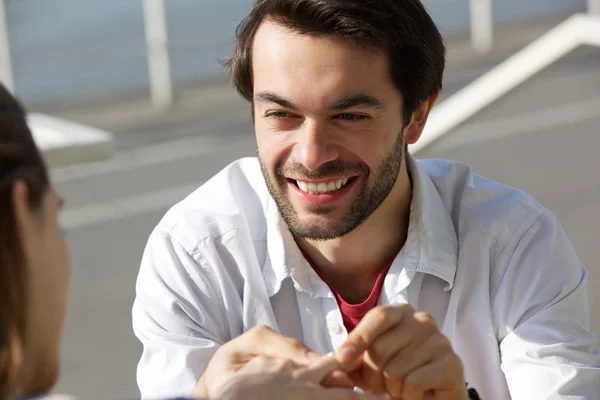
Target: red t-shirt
[[353, 313]]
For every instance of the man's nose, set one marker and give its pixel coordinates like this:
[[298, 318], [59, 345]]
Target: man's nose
[[314, 146]]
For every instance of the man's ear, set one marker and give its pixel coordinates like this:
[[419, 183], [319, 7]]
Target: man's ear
[[413, 131]]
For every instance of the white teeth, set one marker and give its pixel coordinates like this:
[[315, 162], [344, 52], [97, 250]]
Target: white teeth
[[303, 186], [320, 188]]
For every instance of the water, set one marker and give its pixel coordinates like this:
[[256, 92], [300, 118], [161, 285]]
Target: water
[[76, 50]]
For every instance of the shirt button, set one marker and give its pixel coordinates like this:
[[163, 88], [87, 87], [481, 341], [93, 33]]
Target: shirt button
[[334, 328]]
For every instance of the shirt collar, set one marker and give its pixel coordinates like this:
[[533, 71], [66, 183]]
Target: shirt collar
[[431, 246], [431, 228]]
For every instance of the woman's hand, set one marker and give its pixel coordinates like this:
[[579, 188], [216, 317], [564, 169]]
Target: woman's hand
[[270, 378]]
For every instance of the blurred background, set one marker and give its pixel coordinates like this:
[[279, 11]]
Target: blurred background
[[86, 64]]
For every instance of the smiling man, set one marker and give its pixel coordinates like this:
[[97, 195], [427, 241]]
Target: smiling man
[[422, 276]]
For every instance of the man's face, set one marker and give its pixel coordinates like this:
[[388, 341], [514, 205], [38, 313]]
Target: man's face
[[329, 130]]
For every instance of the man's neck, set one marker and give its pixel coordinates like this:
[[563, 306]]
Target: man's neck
[[351, 264]]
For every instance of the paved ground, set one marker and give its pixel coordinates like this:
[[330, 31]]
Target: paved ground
[[543, 138]]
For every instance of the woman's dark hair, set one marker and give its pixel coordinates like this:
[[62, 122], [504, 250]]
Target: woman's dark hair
[[402, 29], [20, 159]]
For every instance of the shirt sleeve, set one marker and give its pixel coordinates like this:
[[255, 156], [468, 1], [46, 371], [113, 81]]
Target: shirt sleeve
[[547, 345], [177, 316]]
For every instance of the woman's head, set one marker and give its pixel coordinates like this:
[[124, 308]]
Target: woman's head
[[34, 264]]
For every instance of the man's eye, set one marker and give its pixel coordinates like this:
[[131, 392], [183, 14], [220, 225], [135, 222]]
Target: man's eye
[[351, 117], [278, 115]]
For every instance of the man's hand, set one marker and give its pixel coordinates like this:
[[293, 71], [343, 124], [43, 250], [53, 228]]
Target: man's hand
[[258, 341], [270, 378], [397, 351]]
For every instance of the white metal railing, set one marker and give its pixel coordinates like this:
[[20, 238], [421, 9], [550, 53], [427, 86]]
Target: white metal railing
[[578, 30], [57, 138], [159, 69], [161, 85]]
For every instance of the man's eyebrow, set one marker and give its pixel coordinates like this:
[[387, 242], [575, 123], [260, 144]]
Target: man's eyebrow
[[270, 97], [360, 100]]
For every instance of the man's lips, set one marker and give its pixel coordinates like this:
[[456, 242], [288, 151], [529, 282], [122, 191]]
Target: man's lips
[[325, 193], [317, 187]]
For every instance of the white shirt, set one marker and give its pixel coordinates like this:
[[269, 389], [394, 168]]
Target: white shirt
[[491, 265]]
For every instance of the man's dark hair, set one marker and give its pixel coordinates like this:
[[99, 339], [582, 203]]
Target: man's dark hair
[[401, 29]]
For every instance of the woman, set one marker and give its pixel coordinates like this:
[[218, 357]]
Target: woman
[[35, 274], [34, 264]]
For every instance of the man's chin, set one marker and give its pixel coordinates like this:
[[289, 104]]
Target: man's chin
[[320, 216], [317, 227]]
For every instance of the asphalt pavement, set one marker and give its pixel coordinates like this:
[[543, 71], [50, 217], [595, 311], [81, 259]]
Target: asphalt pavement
[[542, 138]]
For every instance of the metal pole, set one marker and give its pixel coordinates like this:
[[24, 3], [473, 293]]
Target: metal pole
[[6, 75], [159, 68], [482, 22], [594, 6]]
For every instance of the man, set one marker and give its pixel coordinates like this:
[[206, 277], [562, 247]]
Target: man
[[422, 276]]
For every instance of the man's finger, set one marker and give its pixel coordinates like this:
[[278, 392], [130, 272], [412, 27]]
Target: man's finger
[[372, 379], [411, 332], [440, 376], [377, 321], [417, 356]]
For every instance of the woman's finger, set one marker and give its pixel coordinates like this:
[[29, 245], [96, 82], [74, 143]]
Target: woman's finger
[[319, 369]]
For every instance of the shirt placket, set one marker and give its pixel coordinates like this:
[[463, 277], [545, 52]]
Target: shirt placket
[[337, 333], [322, 323]]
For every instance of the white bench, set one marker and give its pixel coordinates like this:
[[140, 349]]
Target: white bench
[[65, 143]]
